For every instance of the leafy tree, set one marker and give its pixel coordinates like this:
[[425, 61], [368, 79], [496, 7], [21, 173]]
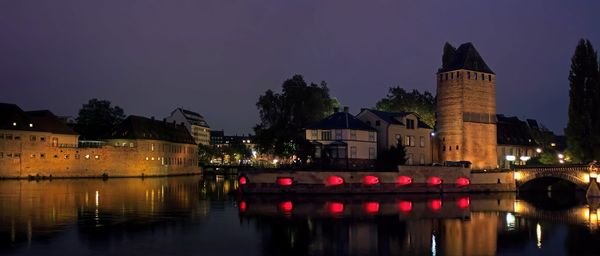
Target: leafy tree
[[399, 99], [390, 159], [284, 115], [583, 129], [545, 158], [207, 153], [97, 118]]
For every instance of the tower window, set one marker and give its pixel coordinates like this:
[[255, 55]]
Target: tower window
[[441, 77], [456, 147], [451, 75], [475, 74], [468, 75], [444, 148], [446, 76], [457, 74], [490, 78]]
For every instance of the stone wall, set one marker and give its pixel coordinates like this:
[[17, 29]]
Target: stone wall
[[47, 161]]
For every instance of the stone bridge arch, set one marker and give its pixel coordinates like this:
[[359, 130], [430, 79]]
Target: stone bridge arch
[[578, 175]]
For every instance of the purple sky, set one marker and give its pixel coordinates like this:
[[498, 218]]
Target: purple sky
[[217, 57]]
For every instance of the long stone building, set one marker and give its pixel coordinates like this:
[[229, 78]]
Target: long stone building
[[466, 110], [37, 143]]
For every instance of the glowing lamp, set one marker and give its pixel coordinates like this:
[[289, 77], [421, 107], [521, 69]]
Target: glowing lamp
[[463, 202], [435, 204], [334, 180], [404, 180], [405, 206], [243, 180], [243, 206], [370, 180], [524, 158], [285, 181], [335, 207], [371, 207], [462, 181], [286, 206], [511, 158], [434, 181]]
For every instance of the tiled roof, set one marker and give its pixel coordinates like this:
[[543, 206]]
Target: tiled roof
[[137, 127], [467, 57], [512, 131], [14, 118], [193, 117], [395, 117], [341, 120]]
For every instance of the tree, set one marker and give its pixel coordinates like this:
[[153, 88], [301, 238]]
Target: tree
[[398, 99], [390, 159], [583, 128], [284, 115], [97, 118]]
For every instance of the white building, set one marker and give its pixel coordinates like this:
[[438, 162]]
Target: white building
[[194, 122]]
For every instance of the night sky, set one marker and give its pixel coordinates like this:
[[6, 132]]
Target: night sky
[[217, 57]]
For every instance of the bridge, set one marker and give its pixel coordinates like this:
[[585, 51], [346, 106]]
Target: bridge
[[579, 175]]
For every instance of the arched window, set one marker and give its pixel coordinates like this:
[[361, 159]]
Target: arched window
[[444, 148], [456, 147]]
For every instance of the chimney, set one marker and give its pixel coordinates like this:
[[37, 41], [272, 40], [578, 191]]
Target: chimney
[[336, 109], [346, 109]]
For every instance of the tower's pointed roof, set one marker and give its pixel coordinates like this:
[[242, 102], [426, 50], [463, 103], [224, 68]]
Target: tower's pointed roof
[[467, 57]]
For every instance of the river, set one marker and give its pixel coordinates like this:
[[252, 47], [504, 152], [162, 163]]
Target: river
[[197, 215]]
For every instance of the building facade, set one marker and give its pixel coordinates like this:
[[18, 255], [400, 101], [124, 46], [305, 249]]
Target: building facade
[[401, 127], [466, 110], [194, 122], [342, 141], [516, 143]]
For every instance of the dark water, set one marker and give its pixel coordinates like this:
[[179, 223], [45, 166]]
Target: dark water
[[198, 216]]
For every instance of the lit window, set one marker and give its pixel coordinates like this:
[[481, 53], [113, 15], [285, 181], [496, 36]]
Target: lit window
[[314, 134], [410, 124], [353, 134], [30, 125], [87, 156], [338, 134], [147, 158], [422, 141], [97, 157], [371, 153], [326, 135], [371, 136], [353, 152]]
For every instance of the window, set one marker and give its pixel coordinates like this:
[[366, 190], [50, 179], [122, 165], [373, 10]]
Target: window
[[475, 75], [353, 152], [456, 147], [410, 124], [457, 75], [444, 148], [377, 123], [55, 142], [152, 147], [490, 78], [371, 136], [338, 134], [42, 138], [409, 141], [451, 75], [353, 134], [32, 138], [371, 153], [131, 144], [422, 141], [446, 76], [314, 134], [441, 77], [17, 137], [468, 75], [42, 155], [409, 159], [422, 159], [398, 139], [326, 135]]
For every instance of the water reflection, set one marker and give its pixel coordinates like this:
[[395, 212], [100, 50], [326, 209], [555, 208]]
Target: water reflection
[[203, 215]]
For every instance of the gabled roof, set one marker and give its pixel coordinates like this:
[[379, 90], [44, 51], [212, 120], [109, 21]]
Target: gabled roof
[[396, 117], [467, 57], [512, 131], [14, 118], [137, 127], [341, 120]]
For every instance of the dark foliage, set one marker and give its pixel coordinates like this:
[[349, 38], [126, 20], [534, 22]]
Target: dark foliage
[[97, 118]]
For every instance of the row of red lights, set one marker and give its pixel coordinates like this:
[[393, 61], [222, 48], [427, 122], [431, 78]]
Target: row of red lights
[[371, 207], [368, 180]]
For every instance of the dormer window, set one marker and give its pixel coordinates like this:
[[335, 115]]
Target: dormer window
[[410, 123]]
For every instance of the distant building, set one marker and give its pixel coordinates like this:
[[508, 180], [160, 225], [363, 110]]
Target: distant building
[[343, 141], [194, 122], [217, 137], [466, 110], [516, 144], [401, 127]]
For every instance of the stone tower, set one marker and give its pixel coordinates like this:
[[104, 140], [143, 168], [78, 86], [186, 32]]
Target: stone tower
[[466, 109]]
